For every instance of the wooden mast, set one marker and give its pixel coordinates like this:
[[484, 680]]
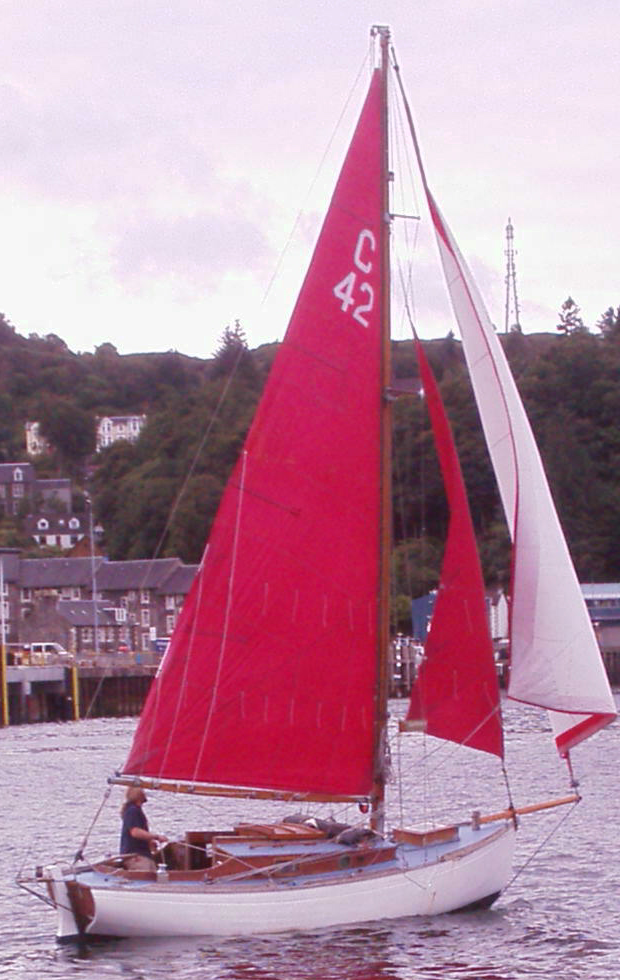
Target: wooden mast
[[378, 791]]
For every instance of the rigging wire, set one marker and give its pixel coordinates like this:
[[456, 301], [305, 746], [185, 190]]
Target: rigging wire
[[224, 393], [511, 805], [539, 847], [229, 602], [182, 685], [177, 500], [405, 198], [79, 854], [314, 180], [93, 700], [192, 468]]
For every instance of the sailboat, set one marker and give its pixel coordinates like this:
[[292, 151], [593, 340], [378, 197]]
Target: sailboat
[[274, 686]]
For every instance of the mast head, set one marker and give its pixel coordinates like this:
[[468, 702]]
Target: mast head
[[380, 30], [380, 33]]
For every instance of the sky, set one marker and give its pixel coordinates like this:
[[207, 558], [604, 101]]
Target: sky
[[158, 160]]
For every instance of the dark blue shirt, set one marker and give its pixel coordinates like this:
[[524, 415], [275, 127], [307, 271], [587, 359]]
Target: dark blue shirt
[[134, 817]]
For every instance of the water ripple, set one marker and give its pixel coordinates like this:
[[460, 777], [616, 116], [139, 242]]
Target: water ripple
[[557, 921]]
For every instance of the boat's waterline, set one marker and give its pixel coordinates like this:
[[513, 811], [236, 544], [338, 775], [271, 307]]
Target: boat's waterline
[[473, 871]]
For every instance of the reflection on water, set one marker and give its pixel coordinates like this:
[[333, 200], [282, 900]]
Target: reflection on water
[[484, 946], [558, 919]]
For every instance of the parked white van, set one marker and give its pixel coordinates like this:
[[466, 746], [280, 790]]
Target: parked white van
[[45, 652]]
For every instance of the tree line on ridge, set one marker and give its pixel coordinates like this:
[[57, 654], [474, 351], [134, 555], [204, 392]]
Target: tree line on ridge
[[158, 496]]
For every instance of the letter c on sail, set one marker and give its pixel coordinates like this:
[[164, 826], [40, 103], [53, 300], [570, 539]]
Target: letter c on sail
[[364, 236]]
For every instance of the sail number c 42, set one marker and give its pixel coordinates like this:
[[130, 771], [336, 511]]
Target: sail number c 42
[[361, 296]]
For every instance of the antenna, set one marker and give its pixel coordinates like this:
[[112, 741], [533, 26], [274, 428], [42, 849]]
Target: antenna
[[512, 303]]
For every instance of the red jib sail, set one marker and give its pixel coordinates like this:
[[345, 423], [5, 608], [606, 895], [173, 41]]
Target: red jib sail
[[456, 693], [270, 677]]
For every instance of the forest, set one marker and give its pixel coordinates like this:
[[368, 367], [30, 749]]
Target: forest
[[158, 497]]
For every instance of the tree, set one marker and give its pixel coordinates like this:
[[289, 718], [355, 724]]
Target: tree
[[233, 354], [609, 323], [69, 430], [570, 320], [7, 330], [106, 350], [11, 438]]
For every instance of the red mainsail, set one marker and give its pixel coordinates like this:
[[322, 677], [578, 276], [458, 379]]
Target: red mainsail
[[456, 693], [270, 677]]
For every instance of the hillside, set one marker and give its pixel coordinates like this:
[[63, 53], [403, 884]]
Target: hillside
[[198, 413]]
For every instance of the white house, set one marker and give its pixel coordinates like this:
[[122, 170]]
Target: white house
[[112, 428], [36, 444], [56, 530]]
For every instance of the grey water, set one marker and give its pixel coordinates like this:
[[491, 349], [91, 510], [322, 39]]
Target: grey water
[[559, 917]]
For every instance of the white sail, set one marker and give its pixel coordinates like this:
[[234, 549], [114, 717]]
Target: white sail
[[555, 659]]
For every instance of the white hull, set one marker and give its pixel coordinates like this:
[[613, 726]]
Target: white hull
[[456, 879]]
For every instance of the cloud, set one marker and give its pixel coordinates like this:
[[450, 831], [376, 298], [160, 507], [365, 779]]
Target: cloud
[[201, 248], [154, 156]]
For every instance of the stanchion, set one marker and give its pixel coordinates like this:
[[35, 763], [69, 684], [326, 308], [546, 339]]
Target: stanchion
[[75, 691], [4, 687]]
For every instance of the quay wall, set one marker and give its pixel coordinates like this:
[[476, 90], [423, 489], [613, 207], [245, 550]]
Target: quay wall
[[69, 693], [59, 692]]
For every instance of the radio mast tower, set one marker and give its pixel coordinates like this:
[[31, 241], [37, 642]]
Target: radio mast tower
[[512, 303]]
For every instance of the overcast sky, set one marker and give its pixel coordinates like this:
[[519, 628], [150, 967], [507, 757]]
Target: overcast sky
[[154, 155]]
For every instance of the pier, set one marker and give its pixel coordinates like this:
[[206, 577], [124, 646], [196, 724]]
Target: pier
[[107, 687], [58, 692]]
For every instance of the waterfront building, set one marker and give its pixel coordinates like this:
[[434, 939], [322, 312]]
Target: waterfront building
[[52, 599]]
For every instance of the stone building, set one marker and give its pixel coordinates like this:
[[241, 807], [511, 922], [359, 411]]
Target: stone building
[[51, 599]]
